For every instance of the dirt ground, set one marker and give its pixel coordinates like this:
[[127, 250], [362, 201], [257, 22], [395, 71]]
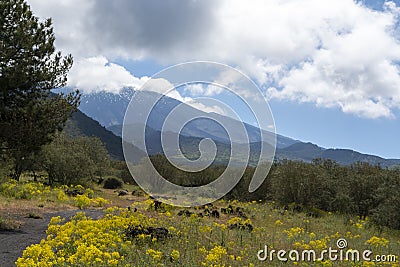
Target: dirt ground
[[13, 243]]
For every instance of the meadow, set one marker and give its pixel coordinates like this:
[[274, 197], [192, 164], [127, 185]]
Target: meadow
[[224, 233]]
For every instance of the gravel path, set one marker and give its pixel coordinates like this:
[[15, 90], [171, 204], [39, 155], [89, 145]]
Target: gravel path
[[13, 243]]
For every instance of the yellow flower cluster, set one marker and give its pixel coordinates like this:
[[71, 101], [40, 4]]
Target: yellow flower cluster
[[24, 190], [294, 232], [37, 190], [84, 201], [156, 255], [135, 237], [378, 241], [205, 229], [239, 222], [319, 243], [175, 255], [83, 241], [215, 256], [235, 220]]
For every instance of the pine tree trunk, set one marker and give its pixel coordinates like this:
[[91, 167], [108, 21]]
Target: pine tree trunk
[[17, 170]]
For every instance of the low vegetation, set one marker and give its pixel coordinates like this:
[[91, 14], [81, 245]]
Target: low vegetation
[[300, 206], [42, 194], [7, 224], [113, 183], [142, 235], [323, 185]]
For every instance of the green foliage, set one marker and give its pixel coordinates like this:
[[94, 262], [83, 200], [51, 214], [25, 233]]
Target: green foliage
[[316, 188], [177, 176], [120, 169], [74, 161], [241, 190], [297, 182], [113, 183], [363, 182], [387, 211], [6, 166], [29, 68]]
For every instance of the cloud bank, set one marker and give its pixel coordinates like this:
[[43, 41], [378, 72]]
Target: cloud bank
[[98, 74], [333, 53]]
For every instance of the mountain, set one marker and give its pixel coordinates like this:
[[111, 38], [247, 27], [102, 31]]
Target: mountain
[[190, 146], [110, 108], [81, 125], [106, 108], [308, 151]]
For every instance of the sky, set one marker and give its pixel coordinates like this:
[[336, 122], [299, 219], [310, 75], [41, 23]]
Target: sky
[[329, 68]]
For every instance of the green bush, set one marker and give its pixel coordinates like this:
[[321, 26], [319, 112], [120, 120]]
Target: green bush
[[121, 170], [74, 161], [112, 183], [387, 212]]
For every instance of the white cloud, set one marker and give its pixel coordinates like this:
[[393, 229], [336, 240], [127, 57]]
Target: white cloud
[[197, 103], [355, 70], [68, 17], [98, 74], [159, 85], [163, 86], [333, 53], [206, 108], [201, 89], [195, 89]]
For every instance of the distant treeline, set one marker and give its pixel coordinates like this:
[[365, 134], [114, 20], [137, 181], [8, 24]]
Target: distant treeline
[[320, 186]]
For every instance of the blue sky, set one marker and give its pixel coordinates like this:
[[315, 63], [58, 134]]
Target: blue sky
[[329, 68]]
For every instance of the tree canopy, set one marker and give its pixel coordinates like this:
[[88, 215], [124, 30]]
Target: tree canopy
[[30, 67]]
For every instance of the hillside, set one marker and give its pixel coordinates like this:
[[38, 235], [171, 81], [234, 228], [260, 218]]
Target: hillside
[[81, 125]]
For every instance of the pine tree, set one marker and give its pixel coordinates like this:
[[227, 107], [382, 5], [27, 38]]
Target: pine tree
[[30, 67]]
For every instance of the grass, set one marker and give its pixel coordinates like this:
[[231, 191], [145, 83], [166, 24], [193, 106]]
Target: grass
[[33, 215], [7, 224]]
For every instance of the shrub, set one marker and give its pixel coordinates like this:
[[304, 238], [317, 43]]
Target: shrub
[[112, 183], [73, 160], [387, 213], [82, 201], [8, 224]]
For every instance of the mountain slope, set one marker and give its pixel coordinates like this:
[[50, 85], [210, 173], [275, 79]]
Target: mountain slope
[[190, 146], [106, 108], [109, 108], [81, 125]]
